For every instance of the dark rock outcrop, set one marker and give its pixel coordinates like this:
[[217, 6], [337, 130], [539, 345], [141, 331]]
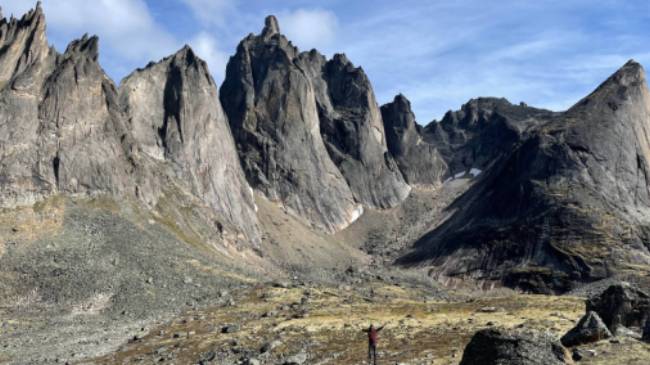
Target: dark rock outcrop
[[621, 305], [309, 131], [353, 131], [272, 110], [483, 130], [498, 347], [567, 205], [419, 161], [590, 328], [175, 117]]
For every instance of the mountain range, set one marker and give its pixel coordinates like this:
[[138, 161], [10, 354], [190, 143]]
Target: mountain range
[[526, 198]]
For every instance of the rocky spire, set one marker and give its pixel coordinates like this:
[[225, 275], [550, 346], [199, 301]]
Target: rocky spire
[[419, 161], [271, 26], [352, 128], [86, 46], [176, 118], [270, 102], [24, 45]]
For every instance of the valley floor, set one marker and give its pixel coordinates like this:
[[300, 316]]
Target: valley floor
[[323, 325]]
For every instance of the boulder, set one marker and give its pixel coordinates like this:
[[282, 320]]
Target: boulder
[[590, 328], [498, 347], [621, 305]]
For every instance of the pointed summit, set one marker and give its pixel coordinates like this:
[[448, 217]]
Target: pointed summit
[[271, 26], [87, 46], [630, 74], [627, 83]]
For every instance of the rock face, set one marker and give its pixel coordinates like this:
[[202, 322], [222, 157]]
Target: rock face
[[590, 328], [497, 347], [66, 130], [483, 130], [419, 161], [353, 131], [621, 305], [175, 117], [309, 131], [567, 205], [59, 121]]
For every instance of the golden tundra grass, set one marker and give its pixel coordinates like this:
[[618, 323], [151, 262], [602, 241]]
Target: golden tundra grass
[[417, 331]]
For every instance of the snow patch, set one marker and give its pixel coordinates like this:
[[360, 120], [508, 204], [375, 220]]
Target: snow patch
[[356, 213], [474, 172]]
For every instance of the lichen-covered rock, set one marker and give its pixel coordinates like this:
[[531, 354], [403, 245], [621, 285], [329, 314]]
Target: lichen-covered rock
[[175, 117], [498, 347], [621, 305], [419, 161], [590, 328], [271, 104]]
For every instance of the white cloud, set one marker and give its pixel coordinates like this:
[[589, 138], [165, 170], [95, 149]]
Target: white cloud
[[309, 28], [124, 25], [211, 12], [207, 48]]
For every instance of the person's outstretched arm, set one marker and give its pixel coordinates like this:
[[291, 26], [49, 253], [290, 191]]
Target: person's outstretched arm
[[381, 328]]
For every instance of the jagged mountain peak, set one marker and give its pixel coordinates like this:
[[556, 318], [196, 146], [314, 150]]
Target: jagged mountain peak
[[87, 46], [626, 83], [398, 113], [271, 26], [401, 99], [34, 15]]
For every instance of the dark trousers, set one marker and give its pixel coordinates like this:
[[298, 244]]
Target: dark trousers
[[372, 353]]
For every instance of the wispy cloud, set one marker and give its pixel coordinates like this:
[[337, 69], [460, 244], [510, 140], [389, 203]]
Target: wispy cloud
[[128, 33], [309, 28], [205, 45], [438, 53]]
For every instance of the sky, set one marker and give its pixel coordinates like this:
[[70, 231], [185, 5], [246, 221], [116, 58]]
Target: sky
[[439, 54]]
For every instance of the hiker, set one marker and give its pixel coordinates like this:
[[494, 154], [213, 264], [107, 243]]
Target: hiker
[[372, 343]]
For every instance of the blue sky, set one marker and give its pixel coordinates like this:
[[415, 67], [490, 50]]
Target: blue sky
[[548, 53]]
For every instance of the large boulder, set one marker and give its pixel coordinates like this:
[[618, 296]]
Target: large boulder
[[621, 305], [590, 328], [499, 347]]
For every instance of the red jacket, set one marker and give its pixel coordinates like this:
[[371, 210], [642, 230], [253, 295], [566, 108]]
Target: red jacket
[[373, 334]]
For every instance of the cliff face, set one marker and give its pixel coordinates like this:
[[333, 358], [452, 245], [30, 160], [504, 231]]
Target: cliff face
[[271, 104], [418, 160], [309, 131], [567, 205], [353, 131], [61, 128], [64, 129], [176, 119]]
